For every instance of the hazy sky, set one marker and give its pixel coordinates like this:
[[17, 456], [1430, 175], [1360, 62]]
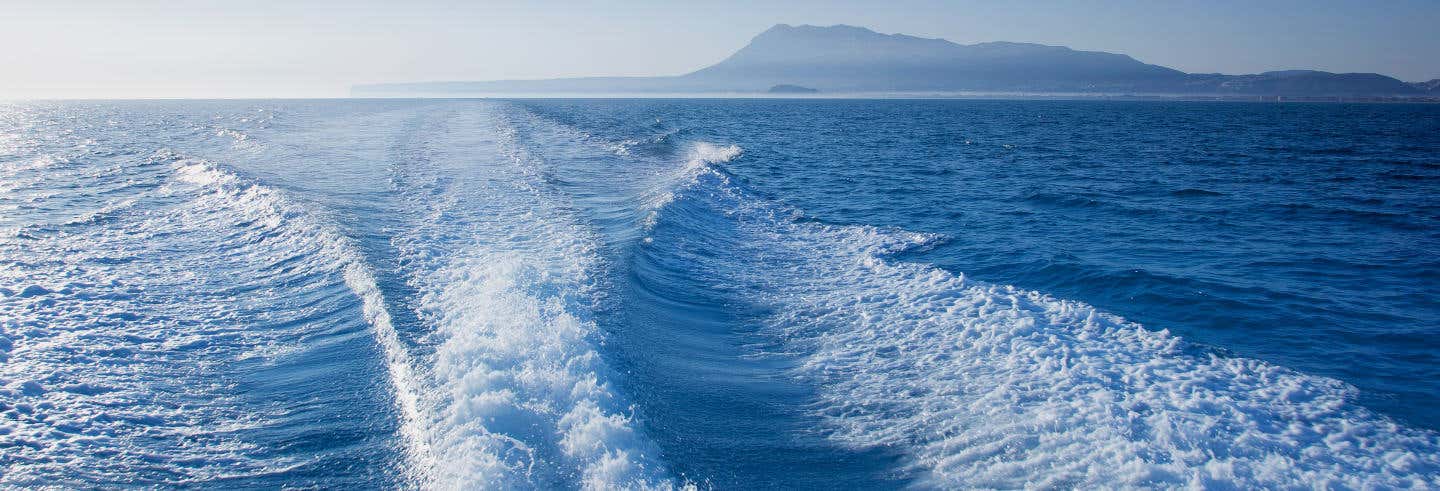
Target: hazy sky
[[227, 48]]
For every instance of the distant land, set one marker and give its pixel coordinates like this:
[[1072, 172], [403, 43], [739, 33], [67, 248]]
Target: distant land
[[791, 89], [854, 60]]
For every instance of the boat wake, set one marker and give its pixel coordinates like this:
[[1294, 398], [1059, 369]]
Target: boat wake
[[517, 394], [481, 294], [987, 385]]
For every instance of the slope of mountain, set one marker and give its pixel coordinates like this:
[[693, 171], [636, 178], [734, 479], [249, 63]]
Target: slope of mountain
[[1301, 82], [841, 59], [791, 89], [845, 58]]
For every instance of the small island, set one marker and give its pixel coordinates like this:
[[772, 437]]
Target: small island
[[791, 89]]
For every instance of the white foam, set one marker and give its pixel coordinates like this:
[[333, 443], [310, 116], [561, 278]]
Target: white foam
[[41, 162], [114, 360], [267, 208], [518, 396], [993, 386], [237, 135], [700, 160], [710, 153]]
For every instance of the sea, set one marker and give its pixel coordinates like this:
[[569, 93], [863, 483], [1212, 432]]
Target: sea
[[719, 294]]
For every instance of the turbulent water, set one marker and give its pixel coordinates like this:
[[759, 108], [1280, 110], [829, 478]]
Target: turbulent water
[[719, 294]]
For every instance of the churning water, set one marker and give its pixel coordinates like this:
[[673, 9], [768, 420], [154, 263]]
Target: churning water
[[719, 293]]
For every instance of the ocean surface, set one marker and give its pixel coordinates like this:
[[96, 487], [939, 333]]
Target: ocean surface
[[728, 294]]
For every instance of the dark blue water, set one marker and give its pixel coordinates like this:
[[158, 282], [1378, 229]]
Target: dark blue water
[[720, 293], [1305, 234]]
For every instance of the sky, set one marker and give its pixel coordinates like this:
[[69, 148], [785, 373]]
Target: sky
[[267, 48]]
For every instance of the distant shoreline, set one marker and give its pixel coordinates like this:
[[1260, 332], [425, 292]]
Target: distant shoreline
[[843, 61], [792, 96], [927, 96]]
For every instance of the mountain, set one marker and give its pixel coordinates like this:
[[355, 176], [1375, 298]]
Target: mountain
[[791, 89], [1302, 82], [848, 59], [1431, 87]]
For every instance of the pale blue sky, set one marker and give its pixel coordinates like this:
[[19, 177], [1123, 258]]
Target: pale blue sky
[[265, 48]]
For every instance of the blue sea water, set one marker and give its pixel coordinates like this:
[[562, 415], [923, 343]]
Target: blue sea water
[[719, 293]]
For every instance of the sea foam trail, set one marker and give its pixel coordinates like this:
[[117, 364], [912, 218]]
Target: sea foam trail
[[517, 395], [993, 386], [267, 209], [174, 282], [699, 160]]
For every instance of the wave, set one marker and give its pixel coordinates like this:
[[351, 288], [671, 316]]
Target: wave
[[517, 394], [659, 143], [985, 385], [1195, 193], [133, 325], [271, 214], [701, 160], [39, 163]]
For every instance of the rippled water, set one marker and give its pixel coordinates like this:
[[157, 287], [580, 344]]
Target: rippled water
[[719, 293]]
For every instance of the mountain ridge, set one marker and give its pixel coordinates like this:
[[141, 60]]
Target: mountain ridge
[[851, 59]]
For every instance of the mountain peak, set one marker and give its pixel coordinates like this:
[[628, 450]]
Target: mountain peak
[[837, 31], [803, 28], [843, 57]]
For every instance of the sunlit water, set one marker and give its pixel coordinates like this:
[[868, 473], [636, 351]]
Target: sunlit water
[[721, 293]]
